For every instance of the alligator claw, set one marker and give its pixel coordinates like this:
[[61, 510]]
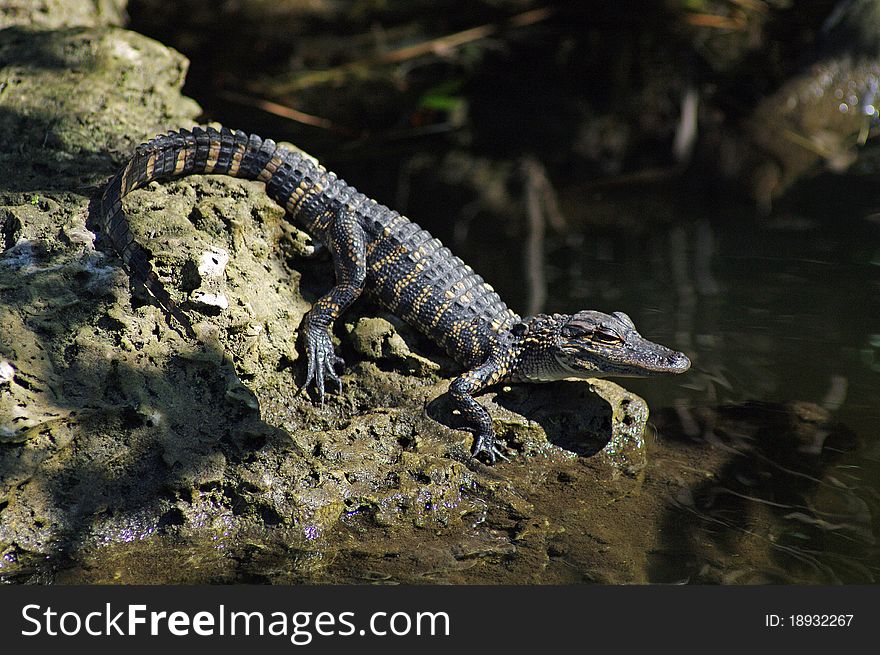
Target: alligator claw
[[322, 361], [488, 444]]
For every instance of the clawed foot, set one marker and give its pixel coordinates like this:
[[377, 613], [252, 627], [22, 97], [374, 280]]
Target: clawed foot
[[322, 361], [488, 444]]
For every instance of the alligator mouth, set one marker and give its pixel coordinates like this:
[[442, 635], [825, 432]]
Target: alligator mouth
[[649, 363]]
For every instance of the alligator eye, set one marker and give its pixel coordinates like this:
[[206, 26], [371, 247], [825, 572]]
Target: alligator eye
[[606, 336], [519, 329]]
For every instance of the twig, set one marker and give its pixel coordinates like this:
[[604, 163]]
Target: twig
[[440, 45], [443, 44], [716, 22], [286, 112]]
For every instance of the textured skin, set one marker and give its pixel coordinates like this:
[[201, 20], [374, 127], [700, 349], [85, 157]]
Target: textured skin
[[407, 271]]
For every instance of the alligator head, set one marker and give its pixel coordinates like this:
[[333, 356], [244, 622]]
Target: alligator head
[[590, 344]]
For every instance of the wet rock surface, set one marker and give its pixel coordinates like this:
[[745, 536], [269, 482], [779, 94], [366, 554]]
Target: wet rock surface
[[124, 446]]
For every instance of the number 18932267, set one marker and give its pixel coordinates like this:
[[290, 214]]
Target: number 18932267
[[820, 620]]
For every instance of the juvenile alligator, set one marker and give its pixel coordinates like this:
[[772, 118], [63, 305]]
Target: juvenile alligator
[[407, 271]]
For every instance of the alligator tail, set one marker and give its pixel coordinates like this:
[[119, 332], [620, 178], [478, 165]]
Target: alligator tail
[[174, 155]]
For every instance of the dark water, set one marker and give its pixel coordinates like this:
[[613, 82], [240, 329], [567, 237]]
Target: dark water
[[781, 317]]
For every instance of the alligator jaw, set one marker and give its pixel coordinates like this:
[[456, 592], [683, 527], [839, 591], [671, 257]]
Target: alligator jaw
[[644, 358]]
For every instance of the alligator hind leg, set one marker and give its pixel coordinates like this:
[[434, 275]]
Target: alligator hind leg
[[347, 244]]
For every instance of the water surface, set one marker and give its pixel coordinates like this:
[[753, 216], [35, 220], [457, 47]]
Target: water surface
[[781, 318]]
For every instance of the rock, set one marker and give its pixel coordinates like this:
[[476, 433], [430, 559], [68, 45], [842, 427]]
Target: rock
[[819, 116], [586, 418], [378, 339], [56, 14], [208, 295], [7, 372], [625, 451]]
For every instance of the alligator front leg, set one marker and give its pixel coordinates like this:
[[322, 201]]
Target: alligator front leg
[[462, 390], [347, 244]]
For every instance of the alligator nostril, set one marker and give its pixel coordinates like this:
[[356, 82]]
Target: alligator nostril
[[679, 362]]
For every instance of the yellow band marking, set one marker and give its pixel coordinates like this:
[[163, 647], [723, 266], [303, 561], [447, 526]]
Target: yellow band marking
[[213, 155], [181, 161]]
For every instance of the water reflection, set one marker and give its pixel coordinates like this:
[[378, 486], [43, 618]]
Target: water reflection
[[775, 504]]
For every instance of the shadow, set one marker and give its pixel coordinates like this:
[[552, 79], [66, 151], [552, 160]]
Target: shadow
[[35, 49], [44, 147], [571, 415], [28, 152]]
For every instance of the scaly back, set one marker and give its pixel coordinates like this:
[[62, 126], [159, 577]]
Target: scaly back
[[408, 271]]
